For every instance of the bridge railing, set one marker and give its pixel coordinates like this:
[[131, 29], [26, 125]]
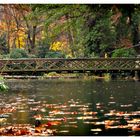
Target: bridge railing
[[87, 64]]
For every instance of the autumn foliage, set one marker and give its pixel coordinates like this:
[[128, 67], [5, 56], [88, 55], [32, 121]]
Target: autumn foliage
[[74, 30]]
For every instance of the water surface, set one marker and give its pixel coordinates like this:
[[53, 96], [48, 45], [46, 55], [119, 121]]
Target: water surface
[[73, 107]]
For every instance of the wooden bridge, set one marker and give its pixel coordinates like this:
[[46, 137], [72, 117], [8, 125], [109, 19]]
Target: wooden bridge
[[103, 65]]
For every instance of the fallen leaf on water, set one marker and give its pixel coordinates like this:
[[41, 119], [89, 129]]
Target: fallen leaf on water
[[97, 129], [90, 113], [3, 120], [4, 115], [127, 105], [89, 122], [43, 110], [109, 103], [136, 128], [85, 117], [74, 122], [98, 123], [39, 116], [67, 125], [64, 131], [50, 123]]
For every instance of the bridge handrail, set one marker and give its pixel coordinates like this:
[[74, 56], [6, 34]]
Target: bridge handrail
[[70, 64], [116, 58]]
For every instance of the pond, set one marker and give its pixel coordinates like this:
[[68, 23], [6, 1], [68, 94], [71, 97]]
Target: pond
[[70, 108]]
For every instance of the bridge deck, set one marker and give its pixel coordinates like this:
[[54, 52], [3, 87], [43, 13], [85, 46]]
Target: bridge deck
[[71, 65]]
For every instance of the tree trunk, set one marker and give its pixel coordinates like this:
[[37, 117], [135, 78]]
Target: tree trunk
[[34, 37], [8, 41], [70, 37], [136, 37], [30, 39]]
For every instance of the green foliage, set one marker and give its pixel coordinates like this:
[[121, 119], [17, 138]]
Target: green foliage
[[5, 56], [3, 86], [135, 27], [78, 33], [42, 49], [32, 56], [122, 29], [91, 30], [93, 55], [3, 45], [101, 35], [87, 30], [18, 53], [72, 26], [54, 54], [53, 74], [122, 52]]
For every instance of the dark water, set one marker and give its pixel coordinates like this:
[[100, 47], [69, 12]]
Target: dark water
[[74, 107]]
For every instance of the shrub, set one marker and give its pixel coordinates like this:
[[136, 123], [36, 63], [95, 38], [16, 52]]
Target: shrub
[[54, 54], [32, 56], [5, 56], [18, 53], [124, 53], [42, 48], [3, 86], [41, 51]]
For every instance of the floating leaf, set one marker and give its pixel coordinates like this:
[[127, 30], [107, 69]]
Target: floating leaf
[[73, 122], [4, 115], [87, 122], [85, 118], [127, 105], [97, 129], [64, 131], [3, 120]]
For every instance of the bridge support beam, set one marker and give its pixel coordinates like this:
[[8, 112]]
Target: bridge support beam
[[100, 74], [137, 75], [113, 76]]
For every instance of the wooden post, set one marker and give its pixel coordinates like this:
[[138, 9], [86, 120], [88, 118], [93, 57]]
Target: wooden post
[[137, 72], [100, 74], [137, 75], [113, 76]]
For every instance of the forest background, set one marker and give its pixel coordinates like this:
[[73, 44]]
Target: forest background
[[69, 30]]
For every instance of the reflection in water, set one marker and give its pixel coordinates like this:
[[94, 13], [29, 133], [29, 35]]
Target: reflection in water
[[70, 107]]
